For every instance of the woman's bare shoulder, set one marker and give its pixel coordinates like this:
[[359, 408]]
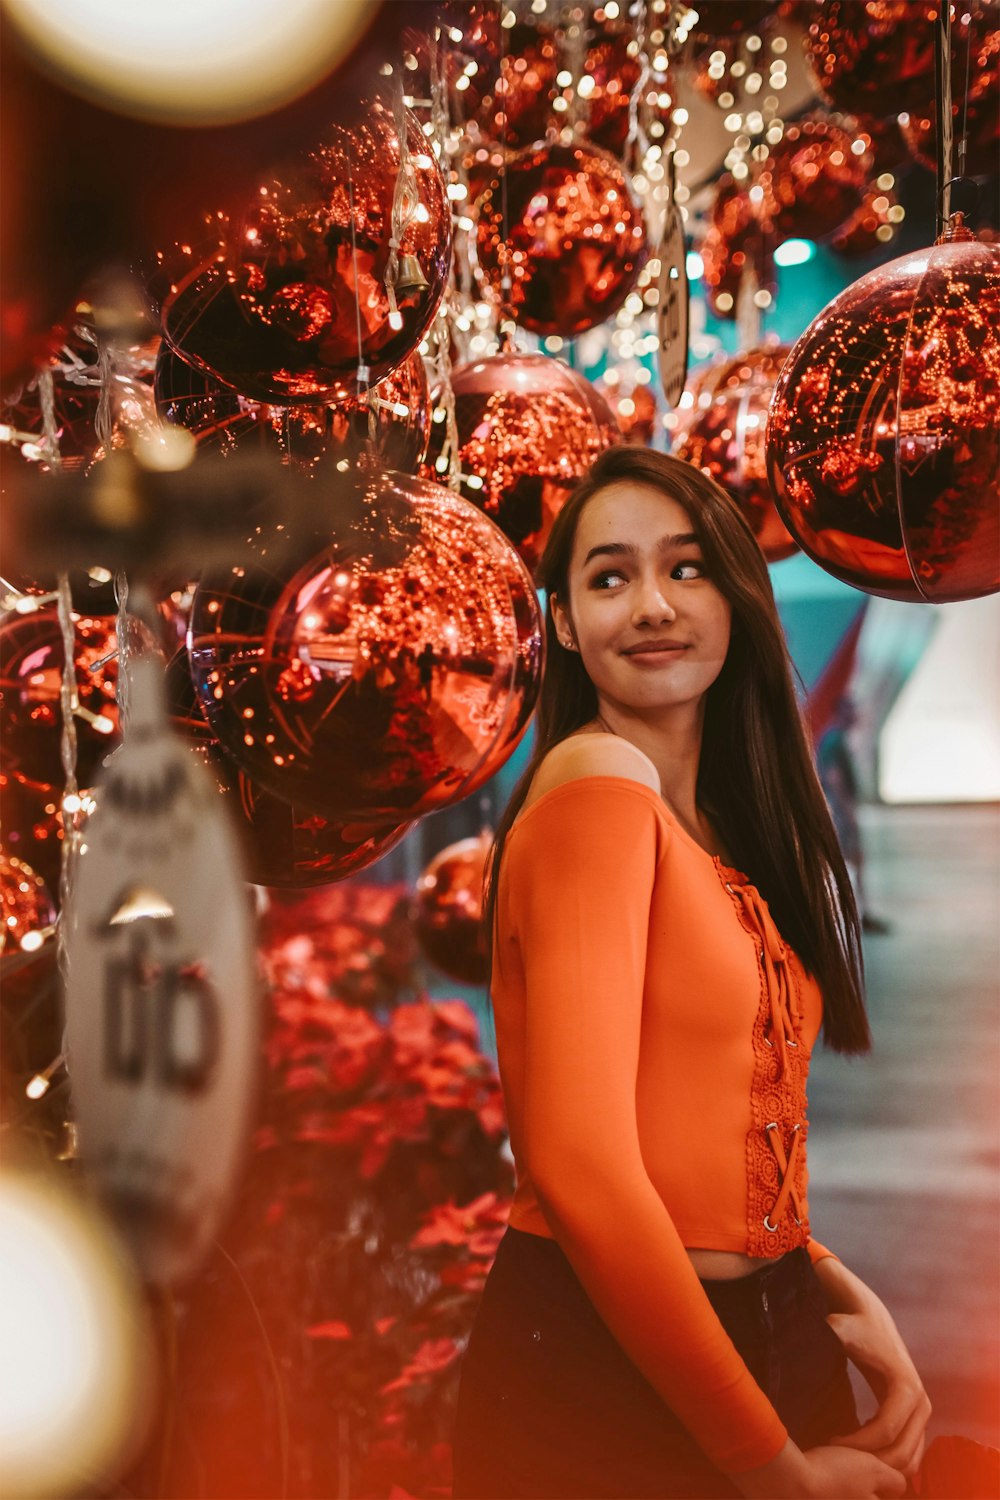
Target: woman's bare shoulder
[[596, 754]]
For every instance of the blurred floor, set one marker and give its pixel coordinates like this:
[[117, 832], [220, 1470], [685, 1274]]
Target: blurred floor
[[904, 1150]]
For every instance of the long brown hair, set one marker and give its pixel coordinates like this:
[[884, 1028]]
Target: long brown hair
[[756, 772]]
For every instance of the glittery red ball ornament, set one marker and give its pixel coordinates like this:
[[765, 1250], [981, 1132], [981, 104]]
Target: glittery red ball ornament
[[370, 667], [394, 418], [26, 907], [469, 55], [576, 240], [868, 226], [814, 177], [883, 441], [519, 106], [277, 309], [613, 73], [722, 431], [31, 666], [872, 56], [449, 910], [740, 240], [975, 37], [528, 429], [283, 846], [634, 408]]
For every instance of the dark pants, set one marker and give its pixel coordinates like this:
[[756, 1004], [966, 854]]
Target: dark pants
[[551, 1406]]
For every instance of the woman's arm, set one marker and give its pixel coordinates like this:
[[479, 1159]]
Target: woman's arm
[[873, 1343]]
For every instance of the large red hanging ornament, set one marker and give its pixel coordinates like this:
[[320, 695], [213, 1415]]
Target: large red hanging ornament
[[31, 667], [883, 441], [613, 73], [519, 106], [394, 418], [722, 433], [975, 41], [449, 910], [576, 240], [371, 667], [740, 241], [872, 56], [528, 429], [282, 845], [277, 309], [26, 908], [469, 55], [814, 177]]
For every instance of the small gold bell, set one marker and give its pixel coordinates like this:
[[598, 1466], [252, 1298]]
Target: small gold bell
[[409, 276]]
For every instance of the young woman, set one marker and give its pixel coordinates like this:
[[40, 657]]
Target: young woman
[[672, 924]]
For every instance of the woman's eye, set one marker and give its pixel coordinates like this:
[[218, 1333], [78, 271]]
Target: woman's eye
[[607, 579], [690, 569]]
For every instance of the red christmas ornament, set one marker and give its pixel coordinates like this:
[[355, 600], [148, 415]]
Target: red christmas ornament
[[282, 845], [25, 904], [740, 240], [519, 106], [634, 409], [449, 910], [722, 433], [32, 825], [975, 37], [614, 73], [469, 54], [528, 429], [31, 666], [576, 240], [883, 442], [371, 669], [277, 310], [394, 418], [868, 226], [872, 56], [814, 178]]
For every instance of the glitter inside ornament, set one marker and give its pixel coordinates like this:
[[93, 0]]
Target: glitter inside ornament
[[371, 666], [575, 241], [528, 429], [277, 307], [283, 846], [722, 433], [449, 910], [874, 57], [883, 441]]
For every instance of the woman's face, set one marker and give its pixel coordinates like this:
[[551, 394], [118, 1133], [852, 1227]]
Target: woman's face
[[652, 629]]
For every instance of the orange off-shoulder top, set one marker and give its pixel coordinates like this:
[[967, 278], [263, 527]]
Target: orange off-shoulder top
[[654, 1034]]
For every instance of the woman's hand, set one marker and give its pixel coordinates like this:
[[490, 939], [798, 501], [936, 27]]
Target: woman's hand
[[821, 1474], [872, 1342]]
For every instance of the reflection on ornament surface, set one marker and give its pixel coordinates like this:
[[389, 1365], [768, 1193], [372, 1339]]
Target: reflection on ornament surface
[[274, 310], [31, 666], [449, 910], [375, 666], [883, 440], [576, 240], [529, 428], [722, 433], [282, 845], [395, 416], [26, 908]]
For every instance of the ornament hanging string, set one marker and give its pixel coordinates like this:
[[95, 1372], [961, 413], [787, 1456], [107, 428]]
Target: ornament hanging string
[[506, 283], [637, 141], [942, 108]]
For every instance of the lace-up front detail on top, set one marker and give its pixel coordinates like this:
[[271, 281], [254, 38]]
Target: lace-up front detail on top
[[777, 1218]]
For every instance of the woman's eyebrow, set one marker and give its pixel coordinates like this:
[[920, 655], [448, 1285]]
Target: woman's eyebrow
[[627, 549]]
